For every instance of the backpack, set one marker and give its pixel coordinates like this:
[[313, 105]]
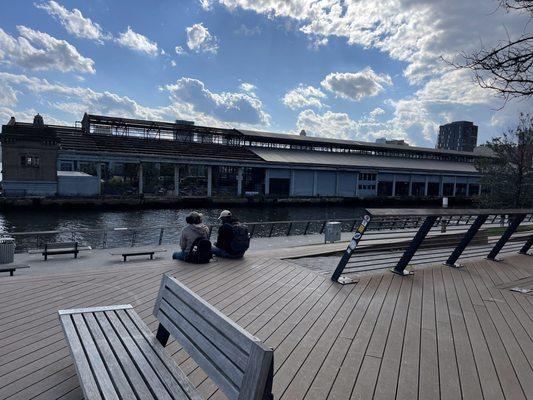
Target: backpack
[[200, 252], [241, 239]]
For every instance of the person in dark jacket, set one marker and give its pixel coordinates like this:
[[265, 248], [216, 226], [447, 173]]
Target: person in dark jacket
[[227, 244]]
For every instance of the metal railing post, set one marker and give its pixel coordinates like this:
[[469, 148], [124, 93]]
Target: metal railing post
[[527, 245], [414, 245], [513, 226], [465, 241], [336, 277], [161, 231], [132, 238], [104, 240]]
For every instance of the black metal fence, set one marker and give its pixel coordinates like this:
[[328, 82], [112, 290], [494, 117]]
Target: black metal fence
[[162, 235], [401, 238]]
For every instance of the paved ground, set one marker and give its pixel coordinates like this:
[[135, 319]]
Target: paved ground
[[442, 334]]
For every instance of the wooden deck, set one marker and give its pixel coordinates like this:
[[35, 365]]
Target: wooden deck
[[441, 334]]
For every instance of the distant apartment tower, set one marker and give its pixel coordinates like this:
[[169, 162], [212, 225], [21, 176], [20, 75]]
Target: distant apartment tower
[[459, 135]]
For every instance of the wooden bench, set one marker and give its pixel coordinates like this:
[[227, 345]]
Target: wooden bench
[[125, 253], [51, 249], [11, 268], [117, 356]]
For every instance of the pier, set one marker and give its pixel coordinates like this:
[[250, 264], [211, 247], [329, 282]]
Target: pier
[[442, 333]]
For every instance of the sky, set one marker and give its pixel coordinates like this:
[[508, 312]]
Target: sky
[[350, 69]]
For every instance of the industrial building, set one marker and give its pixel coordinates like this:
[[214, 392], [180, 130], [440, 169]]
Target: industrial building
[[108, 156], [459, 135]]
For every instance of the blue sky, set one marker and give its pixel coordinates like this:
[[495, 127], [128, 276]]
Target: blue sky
[[348, 69]]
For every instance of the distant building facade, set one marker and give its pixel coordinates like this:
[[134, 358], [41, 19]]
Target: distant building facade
[[126, 157], [459, 135]]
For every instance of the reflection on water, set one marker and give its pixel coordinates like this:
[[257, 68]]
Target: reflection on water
[[76, 220]]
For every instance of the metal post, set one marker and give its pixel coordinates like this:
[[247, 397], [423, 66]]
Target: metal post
[[289, 230], [209, 181], [161, 231], [99, 176], [465, 241], [414, 245], [336, 277], [271, 230], [239, 181], [267, 182], [141, 178], [517, 220], [527, 245], [176, 180]]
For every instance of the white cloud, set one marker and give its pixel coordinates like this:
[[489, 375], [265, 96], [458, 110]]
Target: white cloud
[[318, 42], [356, 86], [200, 40], [376, 112], [8, 97], [225, 106], [137, 42], [27, 115], [304, 96], [173, 63], [246, 31], [74, 21], [247, 87], [206, 4], [179, 50], [341, 126], [418, 32], [39, 51]]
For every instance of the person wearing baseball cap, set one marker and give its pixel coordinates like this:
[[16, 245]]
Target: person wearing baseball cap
[[233, 238]]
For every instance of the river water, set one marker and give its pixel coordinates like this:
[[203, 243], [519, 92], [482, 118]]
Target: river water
[[146, 222]]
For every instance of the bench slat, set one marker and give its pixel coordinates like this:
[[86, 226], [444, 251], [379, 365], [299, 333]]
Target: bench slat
[[204, 328], [204, 333], [170, 381], [96, 362], [200, 358], [241, 337], [127, 363], [90, 388], [112, 364], [179, 375], [150, 376], [180, 326]]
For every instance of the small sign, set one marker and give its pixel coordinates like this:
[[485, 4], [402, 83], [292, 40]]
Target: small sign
[[521, 290]]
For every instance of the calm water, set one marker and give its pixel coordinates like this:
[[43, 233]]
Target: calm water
[[146, 221]]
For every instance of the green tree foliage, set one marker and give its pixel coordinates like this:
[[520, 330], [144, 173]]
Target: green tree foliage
[[507, 178]]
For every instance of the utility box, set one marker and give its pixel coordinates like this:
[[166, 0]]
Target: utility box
[[332, 232], [7, 250]]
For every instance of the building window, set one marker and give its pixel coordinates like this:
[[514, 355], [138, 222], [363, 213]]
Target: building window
[[367, 177], [29, 161], [66, 166]]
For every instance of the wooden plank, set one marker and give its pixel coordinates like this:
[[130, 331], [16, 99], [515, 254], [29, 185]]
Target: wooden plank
[[172, 383], [140, 361], [429, 363], [450, 382], [107, 389], [90, 388], [112, 365]]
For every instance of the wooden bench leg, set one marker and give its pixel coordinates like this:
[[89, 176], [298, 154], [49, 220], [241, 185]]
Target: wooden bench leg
[[11, 272], [124, 258], [152, 256], [45, 257], [75, 254]]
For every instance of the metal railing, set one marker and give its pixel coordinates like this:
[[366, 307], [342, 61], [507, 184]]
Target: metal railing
[[168, 234], [401, 238]]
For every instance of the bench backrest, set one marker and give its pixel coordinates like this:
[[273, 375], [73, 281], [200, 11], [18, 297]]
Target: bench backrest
[[61, 245], [235, 360]]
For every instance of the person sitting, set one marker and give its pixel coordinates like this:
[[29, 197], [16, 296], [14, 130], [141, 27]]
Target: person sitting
[[233, 238], [194, 230]]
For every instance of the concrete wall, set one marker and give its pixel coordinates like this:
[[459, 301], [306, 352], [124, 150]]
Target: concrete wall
[[11, 161], [77, 186], [29, 188]]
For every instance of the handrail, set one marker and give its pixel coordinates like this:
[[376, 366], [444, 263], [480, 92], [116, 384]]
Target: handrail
[[449, 230]]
